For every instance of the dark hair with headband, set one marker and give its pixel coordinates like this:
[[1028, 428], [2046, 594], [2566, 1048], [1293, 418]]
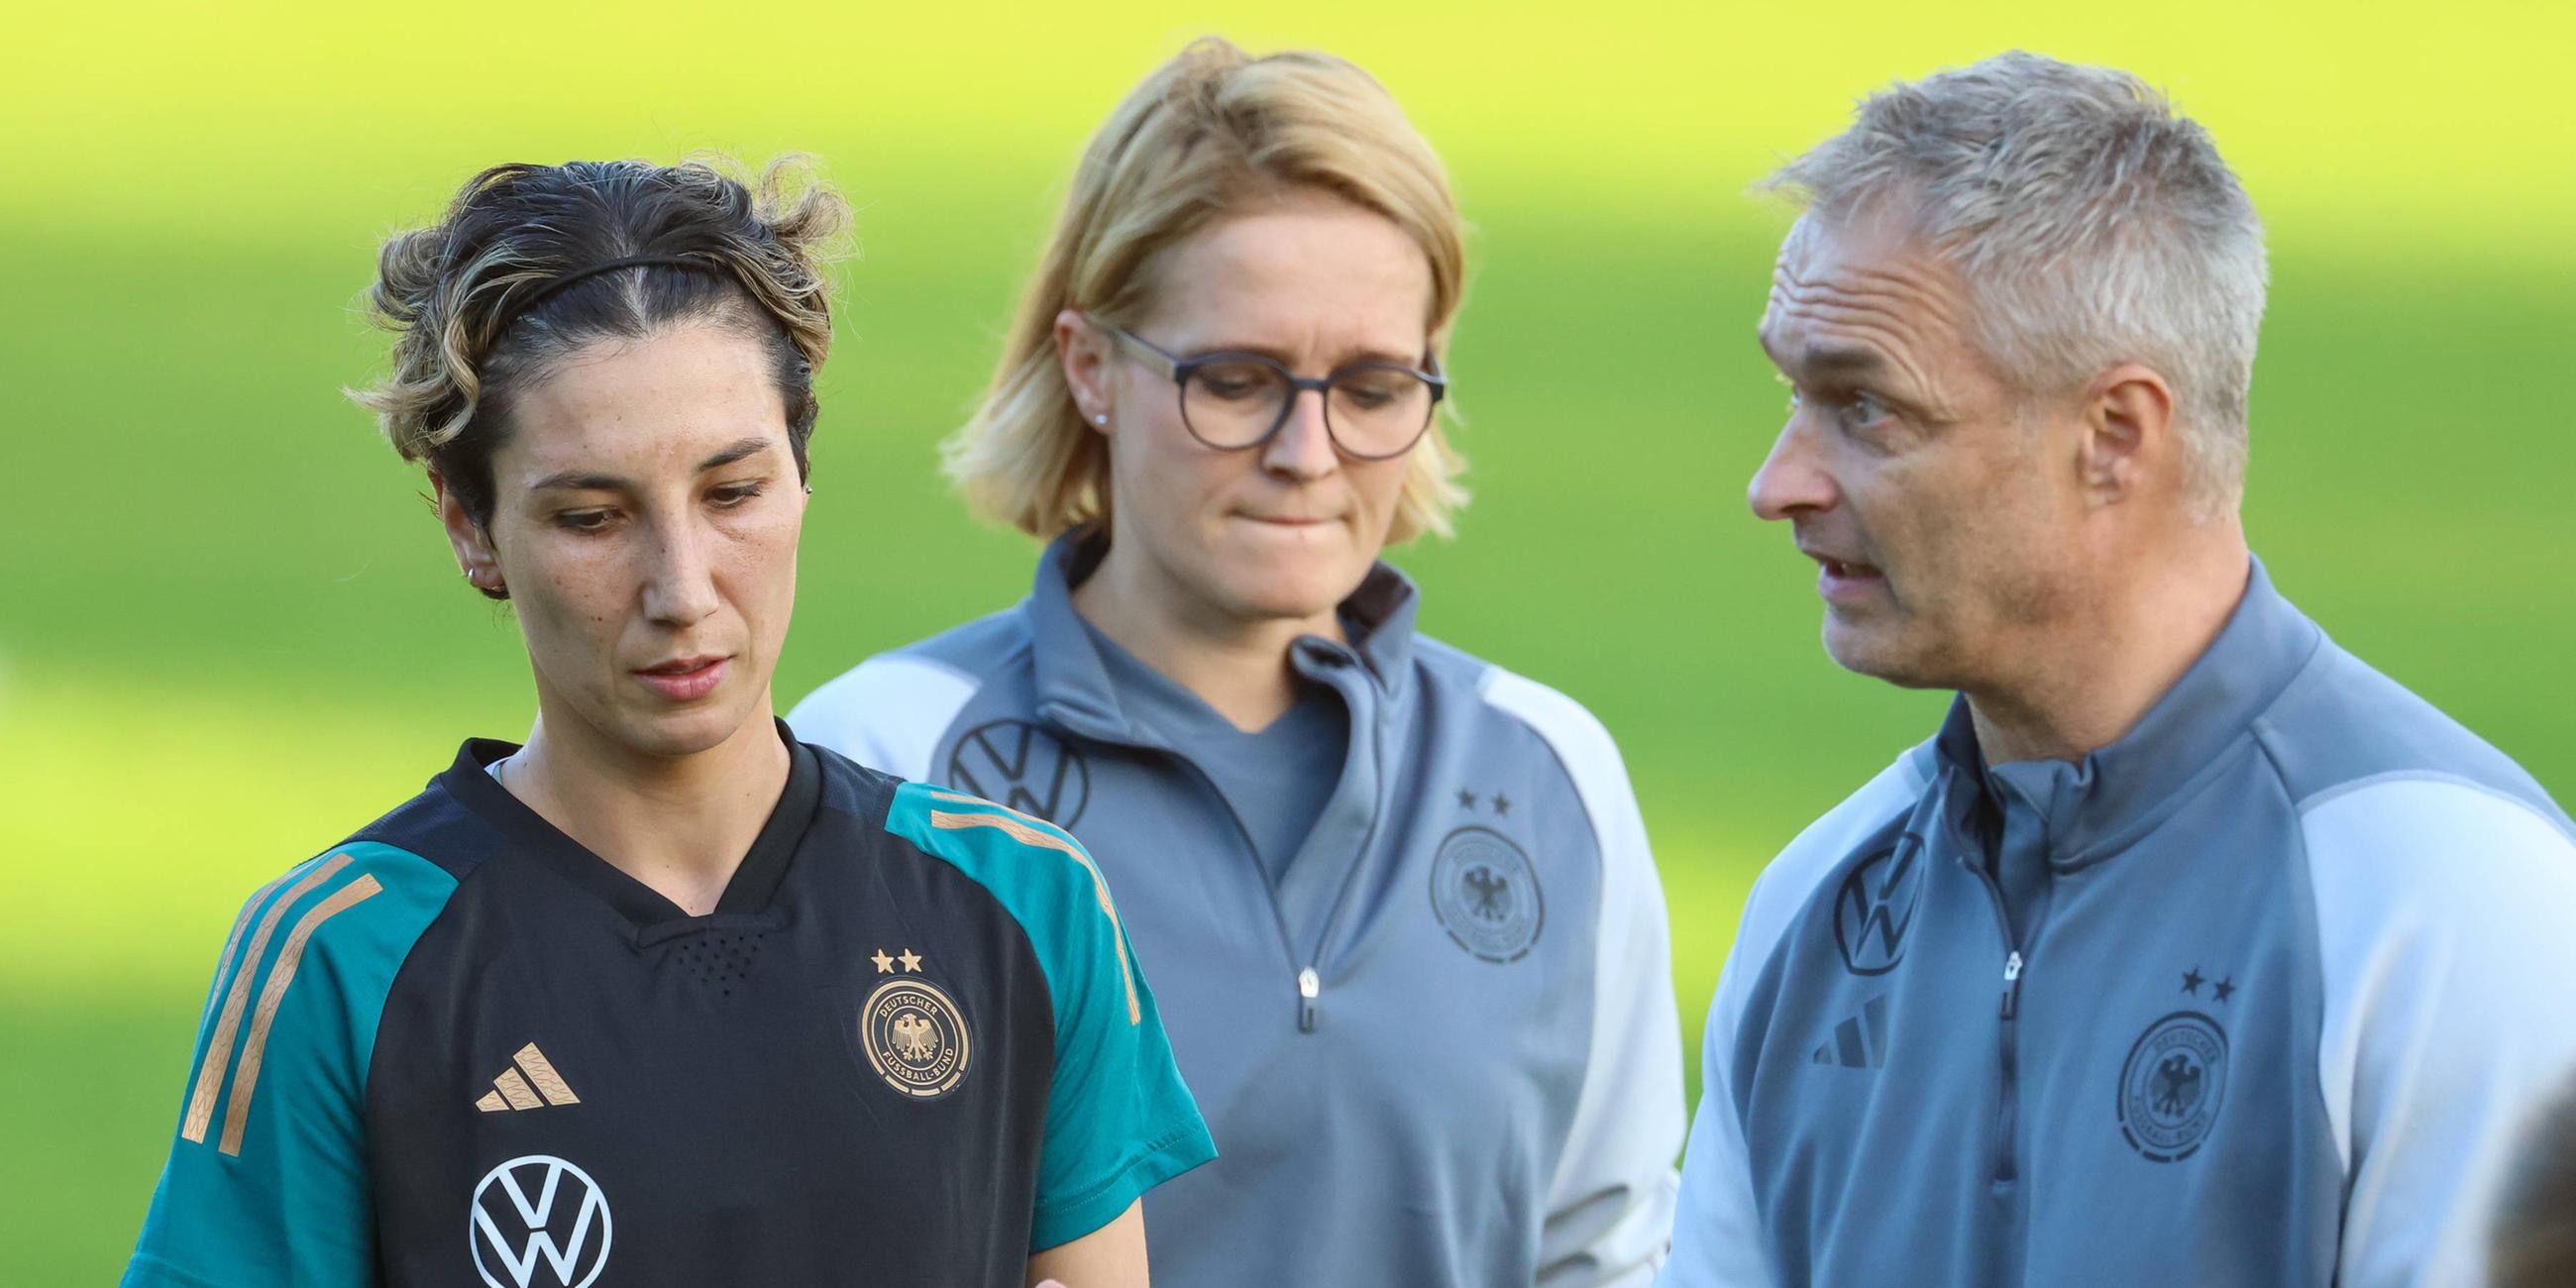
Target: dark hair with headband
[[532, 263]]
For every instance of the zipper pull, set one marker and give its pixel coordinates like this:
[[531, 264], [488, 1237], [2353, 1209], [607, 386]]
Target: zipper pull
[[1309, 986], [2012, 985]]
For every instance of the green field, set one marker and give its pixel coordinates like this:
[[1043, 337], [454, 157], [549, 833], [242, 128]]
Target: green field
[[230, 632]]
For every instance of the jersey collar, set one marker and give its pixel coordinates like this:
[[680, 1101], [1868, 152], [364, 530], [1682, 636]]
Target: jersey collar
[[2094, 808], [754, 883], [1074, 689]]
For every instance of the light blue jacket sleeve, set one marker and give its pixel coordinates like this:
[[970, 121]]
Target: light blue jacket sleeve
[[1718, 1239], [1609, 1218], [2449, 1017]]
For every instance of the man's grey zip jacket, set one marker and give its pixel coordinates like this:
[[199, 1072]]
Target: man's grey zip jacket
[[1441, 1047], [2263, 994]]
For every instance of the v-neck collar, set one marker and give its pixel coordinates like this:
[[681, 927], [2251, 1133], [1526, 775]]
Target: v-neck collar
[[749, 891], [1074, 688]]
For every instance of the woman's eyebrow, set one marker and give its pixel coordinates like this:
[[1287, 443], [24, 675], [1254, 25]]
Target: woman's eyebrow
[[579, 481], [742, 448], [585, 481]]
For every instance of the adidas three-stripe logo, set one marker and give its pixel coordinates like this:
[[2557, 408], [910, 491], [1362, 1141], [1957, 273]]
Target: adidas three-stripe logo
[[529, 1083], [1859, 1042]]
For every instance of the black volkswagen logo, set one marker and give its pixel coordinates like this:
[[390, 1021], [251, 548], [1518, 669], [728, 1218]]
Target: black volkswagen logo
[[1015, 763], [1876, 906]]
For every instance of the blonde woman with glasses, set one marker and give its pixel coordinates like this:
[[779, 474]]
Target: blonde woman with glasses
[[1397, 901]]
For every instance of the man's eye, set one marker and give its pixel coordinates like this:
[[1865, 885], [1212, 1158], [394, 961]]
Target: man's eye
[[1864, 412], [584, 520], [734, 496]]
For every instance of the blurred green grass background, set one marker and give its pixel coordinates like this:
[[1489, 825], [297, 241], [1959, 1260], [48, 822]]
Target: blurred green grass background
[[230, 633]]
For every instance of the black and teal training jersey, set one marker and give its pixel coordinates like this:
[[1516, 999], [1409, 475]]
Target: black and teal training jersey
[[910, 1045]]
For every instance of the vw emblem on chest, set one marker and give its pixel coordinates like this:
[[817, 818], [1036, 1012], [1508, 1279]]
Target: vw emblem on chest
[[916, 1038], [1875, 907], [2172, 1086], [1486, 894], [539, 1222], [1015, 763]]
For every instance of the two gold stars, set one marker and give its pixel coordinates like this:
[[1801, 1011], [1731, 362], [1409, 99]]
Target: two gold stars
[[885, 965]]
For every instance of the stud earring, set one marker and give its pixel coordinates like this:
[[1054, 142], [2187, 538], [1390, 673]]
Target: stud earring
[[1100, 418]]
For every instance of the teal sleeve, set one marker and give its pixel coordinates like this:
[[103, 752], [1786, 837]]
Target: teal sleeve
[[1119, 1121], [267, 1178]]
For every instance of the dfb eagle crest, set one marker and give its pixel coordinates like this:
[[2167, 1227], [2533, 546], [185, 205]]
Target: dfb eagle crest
[[916, 1038], [1485, 893], [2172, 1086]]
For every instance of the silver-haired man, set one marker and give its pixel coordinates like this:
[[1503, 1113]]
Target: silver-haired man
[[2190, 950]]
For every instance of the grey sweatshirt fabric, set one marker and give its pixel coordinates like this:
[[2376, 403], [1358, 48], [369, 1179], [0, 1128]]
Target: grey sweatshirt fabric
[[1276, 779], [2262, 994], [1441, 1047]]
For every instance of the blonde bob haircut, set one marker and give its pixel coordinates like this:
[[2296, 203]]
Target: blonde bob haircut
[[1213, 132]]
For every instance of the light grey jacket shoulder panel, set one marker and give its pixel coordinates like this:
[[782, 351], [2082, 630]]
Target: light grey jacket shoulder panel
[[1718, 1236], [2343, 726], [2441, 873], [888, 712], [1600, 1228]]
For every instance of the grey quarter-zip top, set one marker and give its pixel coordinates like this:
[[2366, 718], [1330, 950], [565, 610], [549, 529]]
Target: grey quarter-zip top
[[2263, 994], [1436, 1045]]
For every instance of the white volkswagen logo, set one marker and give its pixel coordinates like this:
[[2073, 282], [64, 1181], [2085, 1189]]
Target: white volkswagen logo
[[519, 1208]]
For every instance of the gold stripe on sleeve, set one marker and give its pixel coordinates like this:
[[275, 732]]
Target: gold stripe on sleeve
[[219, 1045], [233, 940], [1009, 824], [291, 955]]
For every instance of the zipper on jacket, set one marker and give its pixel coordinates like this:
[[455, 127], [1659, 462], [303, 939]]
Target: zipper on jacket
[[1310, 982], [2006, 1169], [2007, 1113]]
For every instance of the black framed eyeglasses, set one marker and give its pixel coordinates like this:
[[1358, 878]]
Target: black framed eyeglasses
[[1231, 401]]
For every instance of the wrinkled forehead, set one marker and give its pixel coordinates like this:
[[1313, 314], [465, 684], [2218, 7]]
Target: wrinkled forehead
[[1865, 282]]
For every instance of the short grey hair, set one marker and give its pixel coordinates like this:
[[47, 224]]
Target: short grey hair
[[2091, 224]]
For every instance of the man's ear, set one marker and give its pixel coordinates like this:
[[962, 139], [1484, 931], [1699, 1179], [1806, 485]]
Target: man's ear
[[1084, 351], [472, 544], [2130, 439]]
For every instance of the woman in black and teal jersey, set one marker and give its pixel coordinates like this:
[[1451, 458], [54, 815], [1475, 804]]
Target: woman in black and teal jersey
[[663, 990]]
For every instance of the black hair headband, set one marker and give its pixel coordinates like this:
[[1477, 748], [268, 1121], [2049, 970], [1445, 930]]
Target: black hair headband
[[579, 275]]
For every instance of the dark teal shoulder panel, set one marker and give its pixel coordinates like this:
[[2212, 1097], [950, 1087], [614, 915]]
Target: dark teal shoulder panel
[[267, 1182], [1119, 1122]]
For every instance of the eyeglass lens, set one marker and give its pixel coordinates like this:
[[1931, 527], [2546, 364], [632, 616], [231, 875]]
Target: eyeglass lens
[[1370, 411]]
